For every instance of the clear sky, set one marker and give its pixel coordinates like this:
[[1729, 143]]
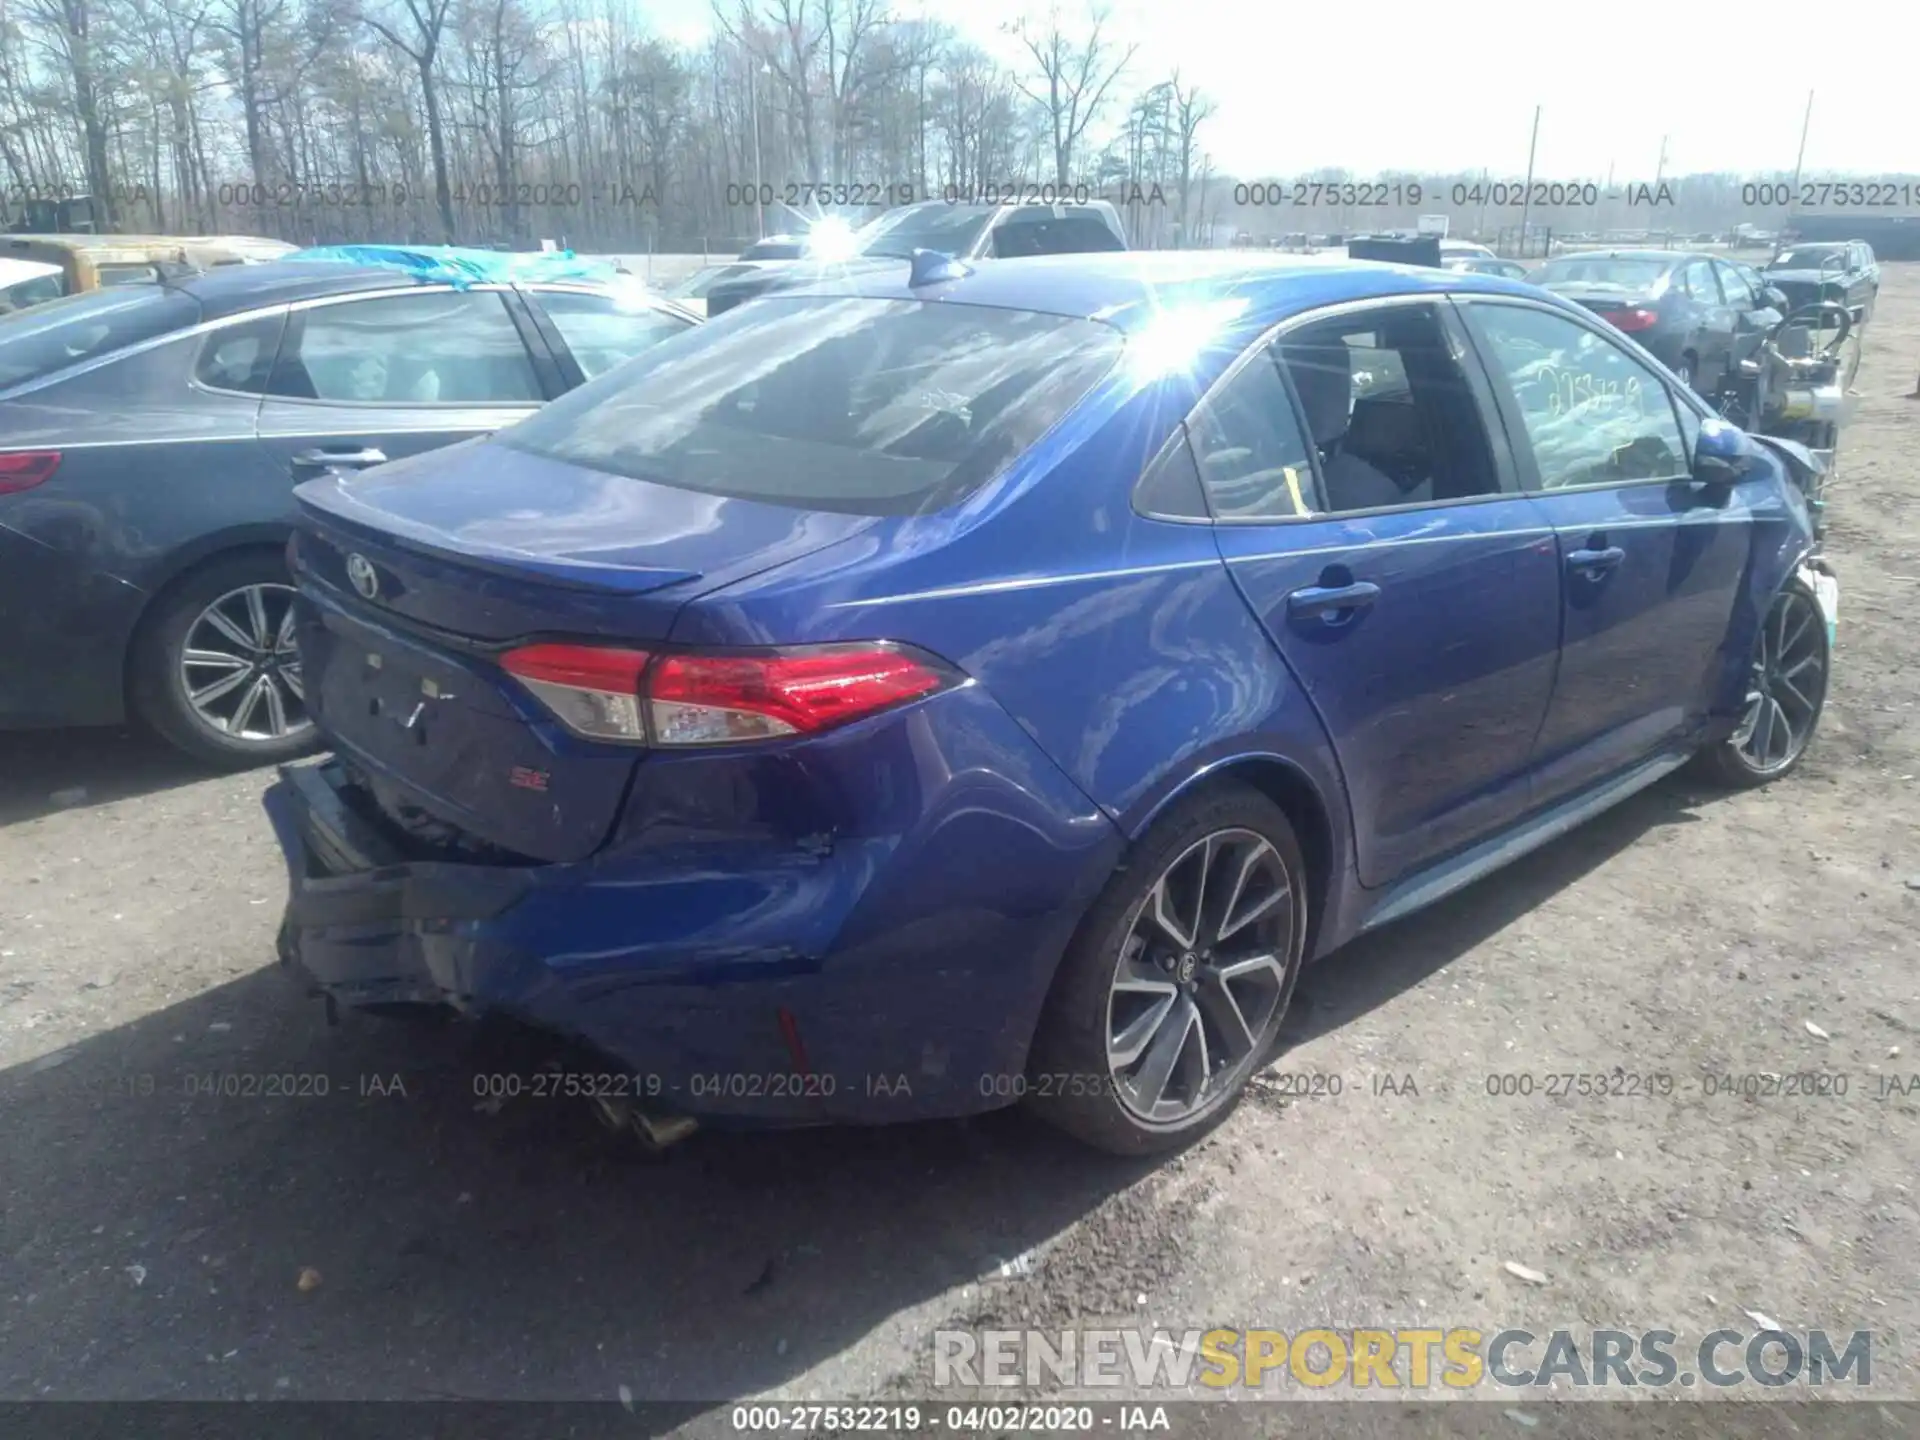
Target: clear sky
[[1435, 88]]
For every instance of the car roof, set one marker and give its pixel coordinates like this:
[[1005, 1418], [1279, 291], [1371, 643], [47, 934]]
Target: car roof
[[230, 289], [1641, 253], [1127, 288]]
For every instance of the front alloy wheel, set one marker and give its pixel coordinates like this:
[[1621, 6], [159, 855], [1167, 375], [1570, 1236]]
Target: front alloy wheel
[[1786, 693]]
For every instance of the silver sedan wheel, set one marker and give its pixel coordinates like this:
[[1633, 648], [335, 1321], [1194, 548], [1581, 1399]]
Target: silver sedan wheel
[[1787, 686], [1197, 990], [239, 668]]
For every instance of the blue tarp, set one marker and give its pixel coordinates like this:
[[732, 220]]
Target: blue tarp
[[453, 265]]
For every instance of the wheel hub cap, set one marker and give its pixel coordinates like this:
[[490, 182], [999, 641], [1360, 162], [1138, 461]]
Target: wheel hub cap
[[239, 668]]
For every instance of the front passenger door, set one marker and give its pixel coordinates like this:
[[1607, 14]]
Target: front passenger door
[[371, 378], [1653, 560]]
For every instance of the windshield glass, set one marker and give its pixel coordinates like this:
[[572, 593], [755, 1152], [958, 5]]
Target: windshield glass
[[1808, 257], [49, 337], [950, 229], [870, 407], [1625, 273]]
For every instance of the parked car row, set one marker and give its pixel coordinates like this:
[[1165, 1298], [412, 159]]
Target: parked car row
[[692, 690], [151, 436]]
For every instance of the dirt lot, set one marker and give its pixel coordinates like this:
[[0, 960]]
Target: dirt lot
[[153, 1242]]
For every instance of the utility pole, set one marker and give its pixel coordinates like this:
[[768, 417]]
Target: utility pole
[[759, 210], [1526, 195], [1793, 199], [1659, 173]]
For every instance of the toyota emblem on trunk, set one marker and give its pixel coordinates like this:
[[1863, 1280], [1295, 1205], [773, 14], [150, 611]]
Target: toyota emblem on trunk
[[361, 574]]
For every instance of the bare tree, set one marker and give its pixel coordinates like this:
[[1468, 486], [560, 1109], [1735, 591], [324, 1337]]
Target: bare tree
[[1071, 81], [418, 38]]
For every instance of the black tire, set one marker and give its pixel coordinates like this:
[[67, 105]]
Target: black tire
[[157, 685], [1071, 1082], [1732, 762], [1687, 369]]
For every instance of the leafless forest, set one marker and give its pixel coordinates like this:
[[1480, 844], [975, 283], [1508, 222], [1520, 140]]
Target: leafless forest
[[504, 121]]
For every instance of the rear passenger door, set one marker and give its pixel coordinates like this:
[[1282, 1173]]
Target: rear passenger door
[[1653, 560], [370, 378], [1370, 517]]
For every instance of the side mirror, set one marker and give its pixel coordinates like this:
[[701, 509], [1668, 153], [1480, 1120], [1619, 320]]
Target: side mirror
[[1723, 454], [1775, 296]]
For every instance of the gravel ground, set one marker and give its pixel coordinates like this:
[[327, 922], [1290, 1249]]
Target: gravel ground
[[388, 1240]]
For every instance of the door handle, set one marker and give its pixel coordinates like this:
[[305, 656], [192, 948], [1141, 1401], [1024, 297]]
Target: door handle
[[1596, 562], [339, 459], [1325, 599]]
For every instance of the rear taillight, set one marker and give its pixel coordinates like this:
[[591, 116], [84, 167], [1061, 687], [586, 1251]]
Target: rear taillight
[[692, 699], [591, 689], [1634, 317], [24, 469]]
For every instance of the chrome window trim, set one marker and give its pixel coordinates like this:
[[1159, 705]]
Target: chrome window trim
[[201, 327], [658, 303]]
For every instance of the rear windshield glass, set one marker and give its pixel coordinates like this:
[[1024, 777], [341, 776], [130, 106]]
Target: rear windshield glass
[[1627, 274], [872, 407], [949, 229], [50, 337]]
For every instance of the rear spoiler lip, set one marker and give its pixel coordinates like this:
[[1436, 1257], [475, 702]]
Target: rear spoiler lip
[[327, 502]]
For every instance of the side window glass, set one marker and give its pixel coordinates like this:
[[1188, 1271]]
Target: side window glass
[[601, 331], [1735, 288], [1389, 410], [438, 348], [1700, 283], [240, 357], [1252, 457], [1593, 414]]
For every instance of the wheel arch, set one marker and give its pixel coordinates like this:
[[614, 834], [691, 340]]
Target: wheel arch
[[1318, 817], [179, 569]]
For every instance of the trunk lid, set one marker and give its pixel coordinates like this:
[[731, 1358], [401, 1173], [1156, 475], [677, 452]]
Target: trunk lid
[[415, 576], [1604, 299]]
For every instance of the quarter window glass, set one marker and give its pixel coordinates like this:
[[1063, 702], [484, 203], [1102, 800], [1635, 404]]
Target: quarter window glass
[[241, 356], [601, 331], [1593, 414], [438, 348], [1252, 456]]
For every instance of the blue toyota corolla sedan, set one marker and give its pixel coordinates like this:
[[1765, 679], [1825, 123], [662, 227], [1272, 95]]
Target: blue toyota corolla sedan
[[897, 699]]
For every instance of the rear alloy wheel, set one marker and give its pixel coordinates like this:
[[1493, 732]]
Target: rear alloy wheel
[[216, 671], [1786, 693], [1172, 994]]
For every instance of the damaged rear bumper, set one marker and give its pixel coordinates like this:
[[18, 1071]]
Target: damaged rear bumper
[[735, 981]]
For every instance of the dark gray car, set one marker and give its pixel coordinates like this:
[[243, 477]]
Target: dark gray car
[[1698, 314], [1845, 272], [151, 436]]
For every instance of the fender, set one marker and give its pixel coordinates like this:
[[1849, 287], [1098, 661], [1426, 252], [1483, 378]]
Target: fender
[[1304, 780]]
